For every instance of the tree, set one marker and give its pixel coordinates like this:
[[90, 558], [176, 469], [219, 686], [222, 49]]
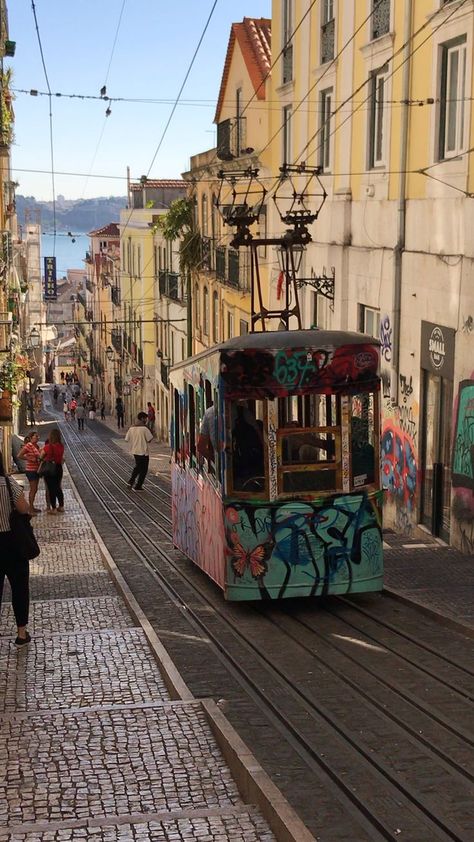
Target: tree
[[179, 224]]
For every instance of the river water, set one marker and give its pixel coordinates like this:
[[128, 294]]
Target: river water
[[69, 254]]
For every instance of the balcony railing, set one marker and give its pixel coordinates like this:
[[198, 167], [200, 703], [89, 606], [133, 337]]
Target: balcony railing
[[164, 373], [207, 254], [116, 340], [327, 41], [115, 295], [231, 138], [221, 263], [90, 341], [169, 285], [233, 275]]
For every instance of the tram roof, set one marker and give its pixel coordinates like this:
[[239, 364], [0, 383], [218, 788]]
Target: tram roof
[[276, 340]]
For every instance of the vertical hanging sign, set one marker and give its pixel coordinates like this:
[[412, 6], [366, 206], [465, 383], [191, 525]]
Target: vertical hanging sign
[[50, 285]]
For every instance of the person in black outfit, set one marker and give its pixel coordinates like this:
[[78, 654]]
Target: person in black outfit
[[12, 564], [120, 412]]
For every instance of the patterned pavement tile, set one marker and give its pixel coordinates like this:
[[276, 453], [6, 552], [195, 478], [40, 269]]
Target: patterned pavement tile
[[67, 615], [79, 670], [77, 765]]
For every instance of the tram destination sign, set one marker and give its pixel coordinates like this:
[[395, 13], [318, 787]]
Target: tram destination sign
[[437, 349]]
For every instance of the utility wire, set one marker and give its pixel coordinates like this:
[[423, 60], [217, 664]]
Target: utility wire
[[33, 7], [114, 44]]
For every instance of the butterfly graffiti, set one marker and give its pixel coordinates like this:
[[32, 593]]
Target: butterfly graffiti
[[254, 560]]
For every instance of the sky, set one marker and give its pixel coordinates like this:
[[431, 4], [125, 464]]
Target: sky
[[144, 57]]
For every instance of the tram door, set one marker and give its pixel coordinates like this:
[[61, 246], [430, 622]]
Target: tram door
[[436, 454]]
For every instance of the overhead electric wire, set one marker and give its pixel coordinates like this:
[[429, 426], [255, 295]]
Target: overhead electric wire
[[114, 43], [50, 117]]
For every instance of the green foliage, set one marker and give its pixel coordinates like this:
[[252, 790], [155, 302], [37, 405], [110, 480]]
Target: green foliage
[[179, 224]]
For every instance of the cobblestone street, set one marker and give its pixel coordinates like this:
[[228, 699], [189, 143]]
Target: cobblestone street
[[92, 746]]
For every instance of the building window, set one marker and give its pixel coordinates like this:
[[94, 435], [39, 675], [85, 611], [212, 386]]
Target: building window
[[287, 134], [205, 311], [244, 327], [204, 214], [369, 321], [196, 306], [377, 117], [380, 18], [287, 46], [451, 100], [230, 325], [327, 31], [325, 130], [215, 316]]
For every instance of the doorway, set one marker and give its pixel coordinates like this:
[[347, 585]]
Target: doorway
[[435, 510]]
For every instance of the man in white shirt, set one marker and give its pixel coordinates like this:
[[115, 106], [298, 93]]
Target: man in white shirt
[[138, 437]]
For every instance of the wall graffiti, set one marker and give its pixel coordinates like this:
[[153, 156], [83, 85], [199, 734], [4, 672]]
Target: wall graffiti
[[386, 338], [406, 387], [463, 451], [399, 472], [198, 528], [304, 549]]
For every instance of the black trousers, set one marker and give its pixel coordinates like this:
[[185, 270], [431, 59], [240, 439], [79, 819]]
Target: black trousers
[[140, 470], [53, 484], [17, 571], [80, 423], [119, 421]]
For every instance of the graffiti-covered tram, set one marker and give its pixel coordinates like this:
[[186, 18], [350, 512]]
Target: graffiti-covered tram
[[275, 475]]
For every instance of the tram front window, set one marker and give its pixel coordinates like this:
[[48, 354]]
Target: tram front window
[[362, 438], [248, 464]]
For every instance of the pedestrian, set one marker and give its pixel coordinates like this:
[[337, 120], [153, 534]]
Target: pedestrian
[[62, 375], [80, 415], [120, 412], [138, 436], [66, 409], [55, 394], [31, 453], [12, 564], [102, 411], [53, 451], [92, 409], [151, 416], [72, 408]]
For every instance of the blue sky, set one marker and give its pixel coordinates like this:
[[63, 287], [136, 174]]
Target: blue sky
[[155, 43]]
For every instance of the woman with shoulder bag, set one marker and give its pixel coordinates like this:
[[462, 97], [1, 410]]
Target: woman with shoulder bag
[[31, 453], [13, 563], [53, 451]]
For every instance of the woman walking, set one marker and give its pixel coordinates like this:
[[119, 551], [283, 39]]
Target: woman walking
[[31, 453], [12, 564], [53, 451]]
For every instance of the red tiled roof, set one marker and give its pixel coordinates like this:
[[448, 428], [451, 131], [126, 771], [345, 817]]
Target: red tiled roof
[[254, 36], [110, 230], [160, 182]]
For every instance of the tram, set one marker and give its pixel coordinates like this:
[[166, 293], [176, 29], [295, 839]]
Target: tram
[[275, 469]]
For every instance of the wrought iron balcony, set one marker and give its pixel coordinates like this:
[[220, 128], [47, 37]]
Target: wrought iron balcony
[[380, 19], [287, 73], [231, 138], [233, 275], [116, 340], [164, 373], [90, 341], [89, 315], [327, 41], [207, 254], [221, 263], [169, 285], [115, 295]]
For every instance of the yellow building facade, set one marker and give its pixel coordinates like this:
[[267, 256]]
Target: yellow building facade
[[379, 96]]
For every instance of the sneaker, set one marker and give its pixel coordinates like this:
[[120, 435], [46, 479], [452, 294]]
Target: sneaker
[[129, 485], [22, 641], [137, 489], [51, 511], [60, 509]]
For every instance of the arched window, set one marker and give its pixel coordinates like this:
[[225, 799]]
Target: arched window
[[205, 311], [215, 316], [204, 215]]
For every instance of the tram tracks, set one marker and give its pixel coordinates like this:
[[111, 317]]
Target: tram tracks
[[292, 691]]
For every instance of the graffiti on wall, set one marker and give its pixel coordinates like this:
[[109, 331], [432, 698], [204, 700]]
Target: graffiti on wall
[[399, 475], [386, 339], [304, 549], [463, 466]]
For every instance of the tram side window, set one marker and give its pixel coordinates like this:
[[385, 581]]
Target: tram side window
[[309, 444], [177, 432], [245, 419], [192, 424], [363, 434]]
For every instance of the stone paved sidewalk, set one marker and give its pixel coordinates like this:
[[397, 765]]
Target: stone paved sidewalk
[[91, 744]]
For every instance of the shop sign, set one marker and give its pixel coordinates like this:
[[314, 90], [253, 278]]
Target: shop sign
[[437, 349], [50, 285]]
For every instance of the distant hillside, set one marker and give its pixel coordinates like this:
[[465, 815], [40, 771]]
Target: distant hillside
[[76, 215]]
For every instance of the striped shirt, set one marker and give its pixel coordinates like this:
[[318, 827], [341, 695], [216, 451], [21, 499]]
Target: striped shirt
[[31, 456], [5, 504]]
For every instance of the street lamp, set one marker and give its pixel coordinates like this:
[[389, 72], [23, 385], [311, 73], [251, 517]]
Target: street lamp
[[34, 338]]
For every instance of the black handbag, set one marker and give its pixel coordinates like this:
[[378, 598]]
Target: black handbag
[[22, 530], [47, 468]]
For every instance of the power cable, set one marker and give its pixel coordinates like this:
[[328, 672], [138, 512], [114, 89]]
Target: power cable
[[113, 47]]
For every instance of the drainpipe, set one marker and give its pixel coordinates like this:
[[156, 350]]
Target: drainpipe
[[401, 209]]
